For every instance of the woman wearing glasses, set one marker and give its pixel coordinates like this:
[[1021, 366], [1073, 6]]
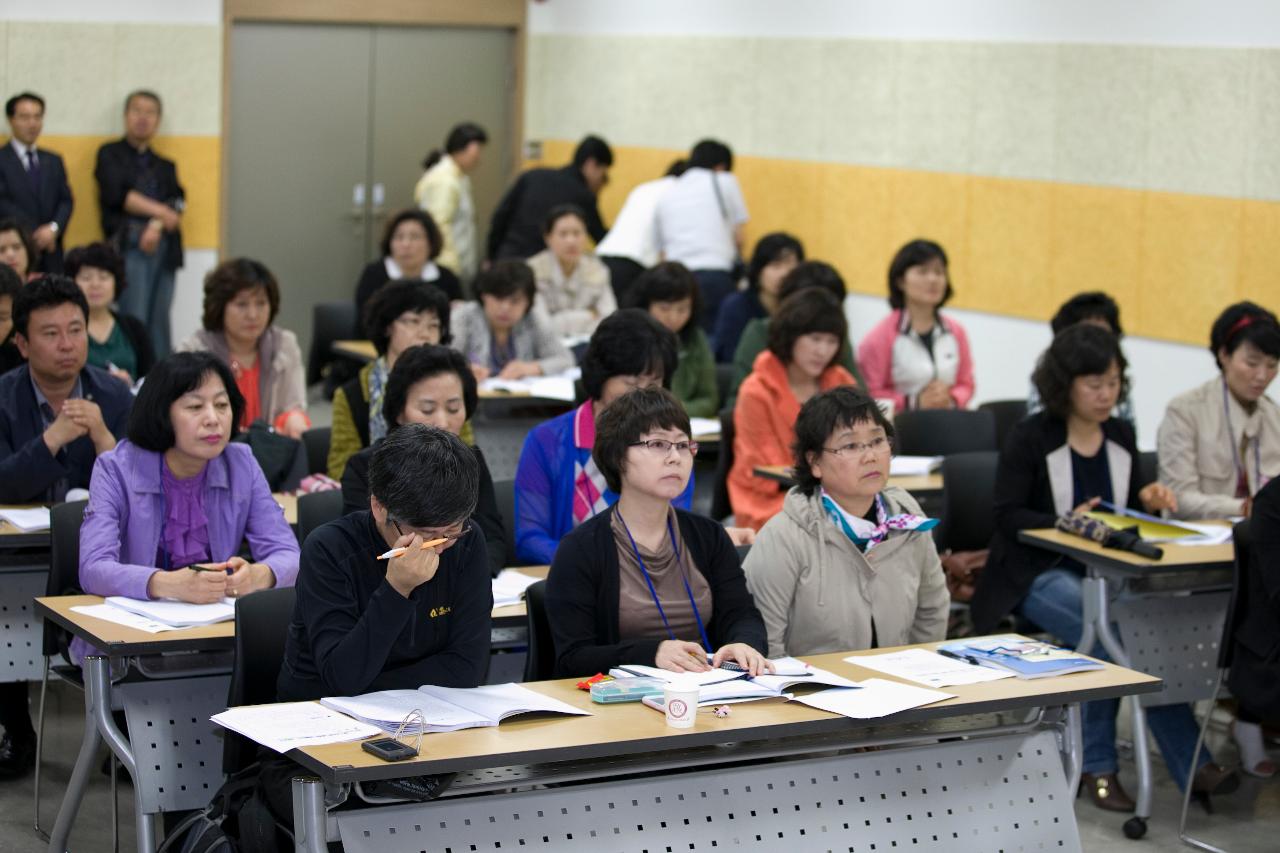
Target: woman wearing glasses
[[643, 582], [849, 563]]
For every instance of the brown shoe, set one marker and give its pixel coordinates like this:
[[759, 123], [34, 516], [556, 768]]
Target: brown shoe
[[1213, 779], [1106, 792]]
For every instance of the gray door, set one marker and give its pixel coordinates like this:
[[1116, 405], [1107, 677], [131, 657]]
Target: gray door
[[321, 115]]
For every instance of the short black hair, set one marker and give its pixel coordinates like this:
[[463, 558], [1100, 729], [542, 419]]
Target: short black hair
[[820, 416], [100, 256], [422, 362], [770, 248], [424, 476], [1244, 322], [628, 343], [150, 426], [10, 286], [592, 148], [914, 254], [804, 313], [669, 281], [231, 277], [1087, 306], [144, 93], [396, 297], [435, 241], [8, 223], [560, 211], [710, 153], [47, 291], [1080, 350], [818, 274], [506, 278], [460, 136], [627, 418], [11, 105]]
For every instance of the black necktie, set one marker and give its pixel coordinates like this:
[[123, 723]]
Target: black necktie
[[33, 170]]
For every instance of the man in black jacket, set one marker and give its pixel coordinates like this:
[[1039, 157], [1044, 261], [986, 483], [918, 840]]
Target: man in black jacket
[[516, 228], [33, 182]]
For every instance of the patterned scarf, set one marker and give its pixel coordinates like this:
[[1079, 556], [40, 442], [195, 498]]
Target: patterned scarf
[[377, 390], [588, 483], [865, 534]]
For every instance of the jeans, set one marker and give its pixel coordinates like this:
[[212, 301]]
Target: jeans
[[713, 287], [149, 293], [1055, 604]]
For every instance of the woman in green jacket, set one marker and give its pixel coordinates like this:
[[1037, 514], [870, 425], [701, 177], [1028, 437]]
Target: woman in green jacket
[[669, 292]]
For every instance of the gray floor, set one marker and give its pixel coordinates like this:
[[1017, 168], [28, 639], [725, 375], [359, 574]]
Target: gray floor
[[1245, 822]]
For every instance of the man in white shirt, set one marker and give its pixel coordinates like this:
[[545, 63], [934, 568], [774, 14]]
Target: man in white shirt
[[33, 182], [631, 246], [699, 224]]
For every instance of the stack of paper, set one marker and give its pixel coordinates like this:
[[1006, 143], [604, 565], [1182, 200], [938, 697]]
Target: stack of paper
[[716, 686], [27, 520], [509, 587], [703, 427], [447, 709], [558, 387], [877, 698], [914, 466], [293, 725], [177, 614], [928, 668], [1024, 658], [1155, 529]]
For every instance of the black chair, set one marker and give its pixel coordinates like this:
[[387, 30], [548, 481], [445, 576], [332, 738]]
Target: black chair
[[501, 440], [1237, 608], [940, 432], [968, 501], [262, 625], [1007, 413], [743, 551], [724, 377], [505, 497], [316, 441], [1148, 467], [540, 662], [317, 508], [720, 505], [331, 321], [64, 579]]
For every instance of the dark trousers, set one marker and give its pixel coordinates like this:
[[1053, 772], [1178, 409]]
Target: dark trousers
[[622, 273], [714, 286], [15, 716]]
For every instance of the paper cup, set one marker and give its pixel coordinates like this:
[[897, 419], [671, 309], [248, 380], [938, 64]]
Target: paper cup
[[681, 704]]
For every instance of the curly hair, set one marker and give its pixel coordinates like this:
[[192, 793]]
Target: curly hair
[[230, 278], [1080, 350]]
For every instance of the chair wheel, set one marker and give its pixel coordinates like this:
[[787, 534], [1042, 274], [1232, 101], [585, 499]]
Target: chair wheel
[[1135, 827]]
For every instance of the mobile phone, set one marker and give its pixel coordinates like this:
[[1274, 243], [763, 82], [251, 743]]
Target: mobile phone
[[389, 749]]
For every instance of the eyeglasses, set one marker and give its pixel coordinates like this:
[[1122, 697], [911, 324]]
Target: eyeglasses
[[856, 449], [451, 537], [662, 447]]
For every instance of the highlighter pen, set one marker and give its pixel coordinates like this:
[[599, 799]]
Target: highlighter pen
[[400, 552]]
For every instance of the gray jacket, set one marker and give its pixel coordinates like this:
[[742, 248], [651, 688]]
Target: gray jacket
[[282, 383], [533, 337], [817, 592]]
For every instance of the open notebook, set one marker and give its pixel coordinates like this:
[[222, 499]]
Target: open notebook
[[447, 709], [722, 685]]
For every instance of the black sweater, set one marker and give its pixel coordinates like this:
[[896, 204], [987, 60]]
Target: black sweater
[[583, 589], [1255, 668], [374, 275], [352, 632], [1024, 501], [516, 228]]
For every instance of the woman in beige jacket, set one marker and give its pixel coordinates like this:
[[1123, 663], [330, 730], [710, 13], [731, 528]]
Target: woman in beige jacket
[[1219, 443], [573, 284], [849, 563]]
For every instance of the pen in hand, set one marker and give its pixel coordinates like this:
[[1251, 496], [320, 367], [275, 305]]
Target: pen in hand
[[400, 552]]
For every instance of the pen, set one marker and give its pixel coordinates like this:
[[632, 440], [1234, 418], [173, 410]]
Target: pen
[[954, 656], [197, 567], [400, 552]]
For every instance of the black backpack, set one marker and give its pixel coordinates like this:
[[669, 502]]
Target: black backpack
[[236, 820]]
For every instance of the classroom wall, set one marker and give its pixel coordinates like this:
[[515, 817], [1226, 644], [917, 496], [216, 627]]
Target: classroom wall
[[1050, 147]]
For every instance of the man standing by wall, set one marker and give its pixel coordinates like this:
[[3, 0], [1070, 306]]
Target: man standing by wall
[[33, 182], [142, 204]]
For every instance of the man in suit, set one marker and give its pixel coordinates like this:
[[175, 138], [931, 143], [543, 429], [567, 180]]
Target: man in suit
[[142, 204], [33, 182]]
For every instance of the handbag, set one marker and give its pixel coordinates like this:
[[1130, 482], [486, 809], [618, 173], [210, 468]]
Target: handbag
[[278, 455]]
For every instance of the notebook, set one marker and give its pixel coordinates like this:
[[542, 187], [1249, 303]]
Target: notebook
[[1024, 658], [914, 466], [178, 614], [447, 709], [27, 520], [723, 685]]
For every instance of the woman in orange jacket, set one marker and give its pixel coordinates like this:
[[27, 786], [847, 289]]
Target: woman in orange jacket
[[805, 338]]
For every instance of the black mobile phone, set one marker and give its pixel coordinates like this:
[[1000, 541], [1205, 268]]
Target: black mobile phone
[[389, 749]]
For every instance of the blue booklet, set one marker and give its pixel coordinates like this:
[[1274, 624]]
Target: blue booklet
[[1024, 658]]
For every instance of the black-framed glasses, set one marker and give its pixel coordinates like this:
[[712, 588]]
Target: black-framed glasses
[[855, 449], [451, 537], [662, 446]]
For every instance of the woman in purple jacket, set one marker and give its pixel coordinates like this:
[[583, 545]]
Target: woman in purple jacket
[[175, 494]]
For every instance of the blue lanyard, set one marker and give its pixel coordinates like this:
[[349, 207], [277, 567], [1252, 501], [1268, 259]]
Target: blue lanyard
[[1235, 451], [706, 643]]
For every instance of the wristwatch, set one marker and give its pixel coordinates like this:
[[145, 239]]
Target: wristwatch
[[53, 226]]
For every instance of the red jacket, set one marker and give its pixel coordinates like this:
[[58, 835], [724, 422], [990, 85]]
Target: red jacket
[[764, 423]]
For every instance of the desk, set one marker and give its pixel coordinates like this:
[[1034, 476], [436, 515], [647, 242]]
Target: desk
[[1003, 785], [24, 574], [288, 503], [1169, 613], [929, 484]]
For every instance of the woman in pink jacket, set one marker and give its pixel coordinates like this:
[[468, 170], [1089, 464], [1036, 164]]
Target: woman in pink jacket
[[915, 356]]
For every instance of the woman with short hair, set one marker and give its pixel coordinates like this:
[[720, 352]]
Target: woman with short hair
[[411, 242], [773, 258], [118, 343], [444, 192], [505, 332], [572, 282], [669, 292]]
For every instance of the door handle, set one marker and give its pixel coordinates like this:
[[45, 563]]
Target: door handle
[[357, 201], [379, 200]]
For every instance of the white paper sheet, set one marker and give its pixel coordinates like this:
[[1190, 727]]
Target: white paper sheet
[[179, 614], [557, 387], [928, 668], [500, 701], [123, 617], [914, 466], [509, 587], [387, 709], [704, 427], [27, 520], [711, 676], [292, 725], [877, 698], [1210, 534]]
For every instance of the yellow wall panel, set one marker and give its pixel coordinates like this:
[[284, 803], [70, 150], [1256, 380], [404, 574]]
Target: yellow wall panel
[[1096, 245], [935, 206], [1260, 253], [1010, 233], [853, 233], [198, 162]]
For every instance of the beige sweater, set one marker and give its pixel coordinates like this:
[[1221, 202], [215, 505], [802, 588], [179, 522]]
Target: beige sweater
[[817, 592], [576, 303]]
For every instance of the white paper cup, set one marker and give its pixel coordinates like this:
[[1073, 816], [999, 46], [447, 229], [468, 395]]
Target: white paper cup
[[681, 704]]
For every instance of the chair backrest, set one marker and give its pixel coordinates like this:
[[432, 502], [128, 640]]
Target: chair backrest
[[743, 551], [940, 432], [64, 567], [316, 441], [1148, 467], [317, 508], [724, 378], [501, 440], [968, 501], [330, 321], [262, 626], [504, 492], [540, 663], [1007, 413], [720, 506], [1238, 606]]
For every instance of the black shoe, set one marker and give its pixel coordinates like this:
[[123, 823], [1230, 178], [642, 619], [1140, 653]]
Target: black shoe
[[17, 756]]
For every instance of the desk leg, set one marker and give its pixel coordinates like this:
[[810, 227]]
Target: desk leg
[[72, 799], [1074, 732], [309, 834]]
